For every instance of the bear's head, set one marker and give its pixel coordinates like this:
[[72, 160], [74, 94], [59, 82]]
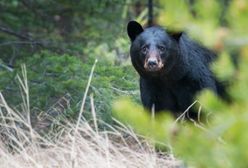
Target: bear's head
[[153, 50]]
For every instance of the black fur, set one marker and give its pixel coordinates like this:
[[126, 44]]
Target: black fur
[[185, 69]]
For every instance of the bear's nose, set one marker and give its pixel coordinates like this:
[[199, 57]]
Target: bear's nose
[[152, 63]]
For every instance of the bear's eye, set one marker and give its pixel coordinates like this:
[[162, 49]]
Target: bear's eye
[[144, 49], [161, 48]]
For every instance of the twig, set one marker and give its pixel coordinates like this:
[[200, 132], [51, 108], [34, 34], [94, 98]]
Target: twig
[[29, 39], [183, 114], [11, 32], [153, 111], [23, 81], [124, 91], [85, 95], [93, 111], [73, 158], [24, 43], [34, 9], [6, 67]]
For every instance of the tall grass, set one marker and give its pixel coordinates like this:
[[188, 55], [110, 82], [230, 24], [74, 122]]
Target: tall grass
[[71, 144]]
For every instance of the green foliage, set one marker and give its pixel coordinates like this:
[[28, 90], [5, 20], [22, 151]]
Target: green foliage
[[172, 17], [204, 20], [58, 42], [224, 61], [220, 139], [87, 30], [60, 26], [50, 76], [137, 117], [220, 143], [238, 13]]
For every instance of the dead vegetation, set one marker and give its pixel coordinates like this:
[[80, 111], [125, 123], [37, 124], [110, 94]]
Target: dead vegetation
[[67, 144]]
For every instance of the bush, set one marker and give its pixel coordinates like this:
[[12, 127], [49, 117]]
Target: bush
[[221, 140], [50, 76]]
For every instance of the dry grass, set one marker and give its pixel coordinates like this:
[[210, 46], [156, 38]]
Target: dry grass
[[72, 145], [23, 146]]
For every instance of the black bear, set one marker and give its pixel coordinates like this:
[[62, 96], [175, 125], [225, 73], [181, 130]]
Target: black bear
[[172, 68]]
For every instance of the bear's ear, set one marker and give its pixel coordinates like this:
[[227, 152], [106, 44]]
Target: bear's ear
[[175, 35], [134, 29]]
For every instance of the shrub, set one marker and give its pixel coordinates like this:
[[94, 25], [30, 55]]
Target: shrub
[[50, 76]]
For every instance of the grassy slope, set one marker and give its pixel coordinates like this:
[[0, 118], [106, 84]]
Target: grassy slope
[[68, 144], [72, 146]]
